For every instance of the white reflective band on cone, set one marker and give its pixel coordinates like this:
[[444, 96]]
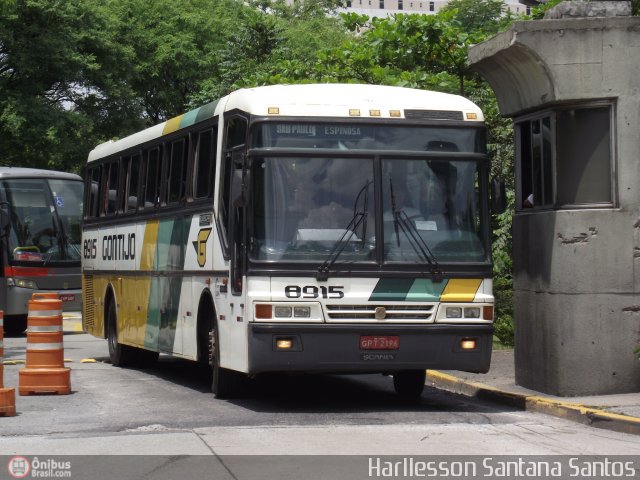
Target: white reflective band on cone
[[1, 322], [44, 328], [44, 346], [44, 313]]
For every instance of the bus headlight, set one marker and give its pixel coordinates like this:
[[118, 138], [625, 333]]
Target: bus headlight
[[310, 312], [302, 312], [454, 312], [282, 311], [22, 283], [472, 312]]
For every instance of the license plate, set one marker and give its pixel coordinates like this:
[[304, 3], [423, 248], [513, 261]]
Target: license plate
[[379, 342], [67, 297]]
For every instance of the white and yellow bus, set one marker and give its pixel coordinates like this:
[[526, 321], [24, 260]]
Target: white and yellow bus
[[301, 228]]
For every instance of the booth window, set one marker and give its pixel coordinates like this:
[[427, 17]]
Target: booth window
[[583, 150], [565, 159], [536, 163]]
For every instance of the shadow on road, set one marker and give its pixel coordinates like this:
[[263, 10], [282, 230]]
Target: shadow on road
[[316, 393]]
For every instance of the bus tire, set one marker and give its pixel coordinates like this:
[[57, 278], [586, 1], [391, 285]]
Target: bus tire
[[225, 383], [409, 384], [119, 354]]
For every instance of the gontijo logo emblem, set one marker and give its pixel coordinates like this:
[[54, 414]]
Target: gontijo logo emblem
[[19, 467], [201, 245]]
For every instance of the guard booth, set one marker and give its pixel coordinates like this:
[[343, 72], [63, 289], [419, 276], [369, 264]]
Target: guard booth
[[571, 84]]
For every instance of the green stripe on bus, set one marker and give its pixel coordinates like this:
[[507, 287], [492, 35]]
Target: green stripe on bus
[[189, 118], [194, 116], [172, 243], [206, 111], [391, 289], [407, 290], [425, 290]]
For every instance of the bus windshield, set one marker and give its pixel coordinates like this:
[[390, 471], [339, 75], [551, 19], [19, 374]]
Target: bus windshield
[[303, 205], [46, 217]]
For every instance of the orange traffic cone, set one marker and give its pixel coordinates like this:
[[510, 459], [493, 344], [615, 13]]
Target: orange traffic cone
[[45, 296], [7, 395], [45, 371]]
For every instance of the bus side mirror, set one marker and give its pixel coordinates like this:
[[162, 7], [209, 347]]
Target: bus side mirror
[[5, 223], [498, 196]]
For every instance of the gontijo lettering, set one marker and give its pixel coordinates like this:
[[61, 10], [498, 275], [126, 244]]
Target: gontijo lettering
[[119, 247]]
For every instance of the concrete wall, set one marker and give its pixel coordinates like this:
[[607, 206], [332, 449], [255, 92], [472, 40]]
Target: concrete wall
[[577, 272], [577, 307]]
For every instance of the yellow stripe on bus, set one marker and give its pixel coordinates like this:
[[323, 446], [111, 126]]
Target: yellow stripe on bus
[[148, 255], [172, 125], [460, 290], [135, 291]]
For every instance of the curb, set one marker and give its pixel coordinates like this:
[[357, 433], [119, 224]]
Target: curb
[[72, 324], [570, 411]]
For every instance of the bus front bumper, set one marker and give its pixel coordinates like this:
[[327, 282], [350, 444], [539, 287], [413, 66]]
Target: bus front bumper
[[18, 300], [339, 348]]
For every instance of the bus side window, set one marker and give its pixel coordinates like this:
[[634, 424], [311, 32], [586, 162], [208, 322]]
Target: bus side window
[[235, 138], [125, 165], [151, 195], [93, 193], [177, 171], [130, 180], [113, 188], [133, 184], [205, 165], [109, 188]]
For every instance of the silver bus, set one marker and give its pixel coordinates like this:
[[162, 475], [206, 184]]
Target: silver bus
[[40, 249]]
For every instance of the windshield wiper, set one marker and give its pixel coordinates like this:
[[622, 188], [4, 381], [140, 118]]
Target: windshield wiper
[[359, 218], [401, 222]]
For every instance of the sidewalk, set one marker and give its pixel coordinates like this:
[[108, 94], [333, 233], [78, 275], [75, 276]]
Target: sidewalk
[[620, 412]]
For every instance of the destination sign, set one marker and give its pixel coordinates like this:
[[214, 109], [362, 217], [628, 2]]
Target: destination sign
[[306, 130]]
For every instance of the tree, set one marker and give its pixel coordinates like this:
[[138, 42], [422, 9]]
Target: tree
[[50, 53], [272, 41], [486, 17], [174, 48], [74, 74]]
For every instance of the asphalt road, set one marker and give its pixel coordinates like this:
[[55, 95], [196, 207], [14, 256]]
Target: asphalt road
[[168, 410]]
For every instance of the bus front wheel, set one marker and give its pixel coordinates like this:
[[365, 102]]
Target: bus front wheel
[[119, 354], [225, 383], [409, 384]]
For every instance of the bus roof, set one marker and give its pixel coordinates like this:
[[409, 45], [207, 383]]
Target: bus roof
[[20, 172], [308, 100]]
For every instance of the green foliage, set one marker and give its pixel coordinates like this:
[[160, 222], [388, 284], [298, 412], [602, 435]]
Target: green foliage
[[273, 45], [502, 271], [538, 11], [487, 17], [50, 55]]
